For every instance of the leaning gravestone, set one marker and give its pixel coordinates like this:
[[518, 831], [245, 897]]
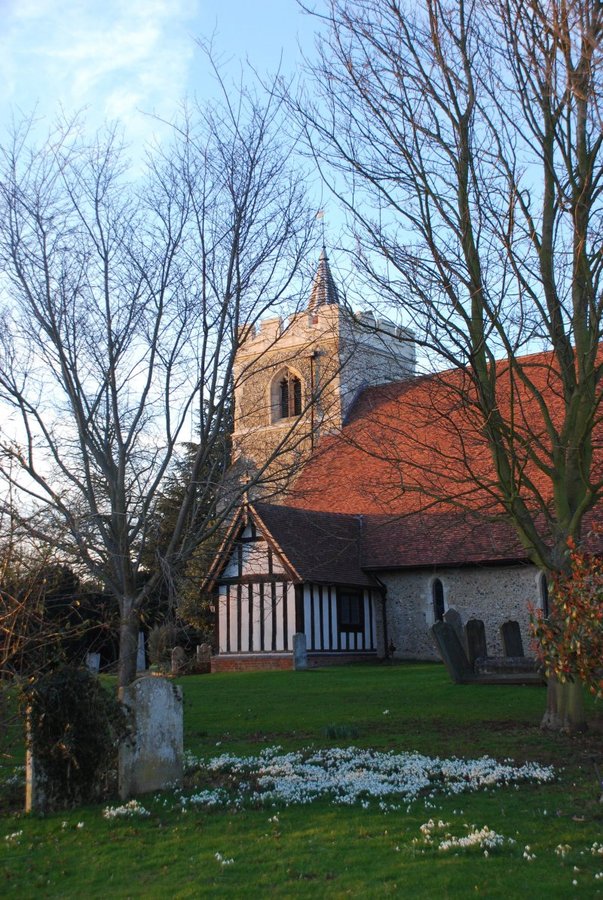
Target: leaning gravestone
[[453, 617], [511, 639], [179, 661], [452, 653], [300, 653], [475, 636], [153, 758]]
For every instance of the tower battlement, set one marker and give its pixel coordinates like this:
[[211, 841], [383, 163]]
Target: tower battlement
[[297, 377]]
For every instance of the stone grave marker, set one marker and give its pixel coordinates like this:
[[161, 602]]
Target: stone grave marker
[[452, 652], [93, 662], [511, 639], [475, 636], [453, 617], [203, 662], [153, 759], [178, 660], [300, 653], [141, 660]]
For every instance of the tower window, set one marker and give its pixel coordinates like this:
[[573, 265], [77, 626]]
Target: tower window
[[290, 396], [437, 595]]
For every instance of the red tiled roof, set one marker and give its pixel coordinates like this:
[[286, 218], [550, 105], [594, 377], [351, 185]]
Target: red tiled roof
[[414, 462], [321, 547]]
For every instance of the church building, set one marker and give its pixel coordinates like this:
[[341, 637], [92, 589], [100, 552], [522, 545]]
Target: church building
[[375, 514]]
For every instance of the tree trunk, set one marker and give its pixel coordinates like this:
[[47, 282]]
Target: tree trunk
[[128, 648], [564, 707]]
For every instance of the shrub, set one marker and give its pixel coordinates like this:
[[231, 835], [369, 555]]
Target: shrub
[[570, 641], [162, 639], [75, 727]]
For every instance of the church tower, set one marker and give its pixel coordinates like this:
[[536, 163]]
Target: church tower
[[297, 378]]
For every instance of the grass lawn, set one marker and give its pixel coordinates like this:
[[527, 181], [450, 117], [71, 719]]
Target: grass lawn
[[327, 850]]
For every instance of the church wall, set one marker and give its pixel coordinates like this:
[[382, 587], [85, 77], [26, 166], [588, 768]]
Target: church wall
[[491, 593], [307, 346], [372, 352]]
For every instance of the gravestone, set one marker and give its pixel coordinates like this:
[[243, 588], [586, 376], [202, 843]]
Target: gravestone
[[511, 639], [452, 653], [141, 661], [300, 653], [453, 617], [178, 661], [36, 780], [475, 636], [93, 662], [152, 759], [203, 660]]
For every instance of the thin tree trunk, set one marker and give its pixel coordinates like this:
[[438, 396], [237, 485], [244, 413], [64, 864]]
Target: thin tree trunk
[[564, 707], [128, 648]]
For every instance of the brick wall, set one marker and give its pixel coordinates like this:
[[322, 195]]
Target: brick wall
[[251, 662], [262, 662]]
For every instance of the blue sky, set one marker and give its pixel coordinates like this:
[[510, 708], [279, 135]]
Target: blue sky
[[124, 59]]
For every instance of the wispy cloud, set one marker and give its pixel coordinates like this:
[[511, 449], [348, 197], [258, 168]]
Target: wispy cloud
[[118, 59]]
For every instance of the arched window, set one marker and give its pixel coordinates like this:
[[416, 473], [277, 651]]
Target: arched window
[[437, 596], [289, 396], [543, 585]]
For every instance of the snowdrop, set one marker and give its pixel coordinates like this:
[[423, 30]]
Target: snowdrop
[[128, 810], [14, 837], [353, 775]]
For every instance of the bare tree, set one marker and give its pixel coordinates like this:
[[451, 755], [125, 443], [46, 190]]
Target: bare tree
[[464, 138], [124, 303]]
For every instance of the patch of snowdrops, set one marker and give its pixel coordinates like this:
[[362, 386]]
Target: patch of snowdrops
[[438, 835], [350, 776]]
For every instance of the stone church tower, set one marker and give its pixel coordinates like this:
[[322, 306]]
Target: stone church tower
[[297, 378]]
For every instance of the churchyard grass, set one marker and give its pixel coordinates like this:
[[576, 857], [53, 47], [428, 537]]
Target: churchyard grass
[[551, 834]]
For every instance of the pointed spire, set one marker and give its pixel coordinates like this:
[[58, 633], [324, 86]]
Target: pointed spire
[[324, 292]]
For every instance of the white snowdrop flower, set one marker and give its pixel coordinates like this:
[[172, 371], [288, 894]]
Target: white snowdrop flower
[[80, 825], [13, 838], [386, 712], [129, 809], [353, 775]]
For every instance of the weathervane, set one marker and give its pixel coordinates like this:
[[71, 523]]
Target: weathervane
[[320, 217]]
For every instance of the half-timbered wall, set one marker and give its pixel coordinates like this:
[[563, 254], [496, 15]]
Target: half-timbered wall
[[260, 608], [256, 618], [324, 631], [256, 601]]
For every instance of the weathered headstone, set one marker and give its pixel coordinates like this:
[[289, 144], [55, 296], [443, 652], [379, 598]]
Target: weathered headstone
[[179, 660], [453, 617], [36, 781], [511, 639], [141, 661], [93, 662], [475, 636], [452, 652], [153, 759], [203, 662], [300, 653]]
